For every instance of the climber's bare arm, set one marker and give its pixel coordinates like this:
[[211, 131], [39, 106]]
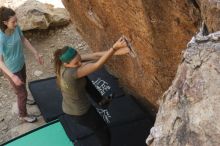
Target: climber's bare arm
[[95, 56]]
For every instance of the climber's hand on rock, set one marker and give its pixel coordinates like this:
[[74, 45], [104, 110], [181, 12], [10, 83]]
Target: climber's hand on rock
[[121, 43], [122, 51]]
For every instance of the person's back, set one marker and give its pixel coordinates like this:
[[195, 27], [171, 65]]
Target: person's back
[[75, 99]]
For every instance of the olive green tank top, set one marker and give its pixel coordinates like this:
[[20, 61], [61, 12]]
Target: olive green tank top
[[75, 97]]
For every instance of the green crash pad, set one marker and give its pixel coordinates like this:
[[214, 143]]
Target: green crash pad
[[51, 134]]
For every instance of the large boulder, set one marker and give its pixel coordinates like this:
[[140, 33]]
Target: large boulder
[[189, 113], [36, 15], [158, 30], [11, 3]]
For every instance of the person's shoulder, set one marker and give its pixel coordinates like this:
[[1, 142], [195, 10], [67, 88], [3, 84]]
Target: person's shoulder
[[1, 36], [70, 72], [18, 28]]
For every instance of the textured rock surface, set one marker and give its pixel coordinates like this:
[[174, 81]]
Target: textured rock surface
[[210, 12], [189, 112], [158, 31], [36, 15]]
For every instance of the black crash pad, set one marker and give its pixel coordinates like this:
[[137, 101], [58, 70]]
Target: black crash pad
[[106, 83], [121, 110], [128, 124], [48, 98], [127, 134]]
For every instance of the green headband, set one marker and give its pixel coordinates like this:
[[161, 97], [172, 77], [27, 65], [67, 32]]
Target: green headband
[[68, 55]]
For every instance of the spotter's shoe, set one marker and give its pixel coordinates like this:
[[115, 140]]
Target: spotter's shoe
[[28, 119]]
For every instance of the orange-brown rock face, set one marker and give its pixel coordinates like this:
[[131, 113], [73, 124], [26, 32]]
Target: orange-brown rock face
[[159, 31]]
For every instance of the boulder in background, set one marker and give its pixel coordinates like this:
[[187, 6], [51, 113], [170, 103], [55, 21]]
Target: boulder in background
[[36, 15]]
